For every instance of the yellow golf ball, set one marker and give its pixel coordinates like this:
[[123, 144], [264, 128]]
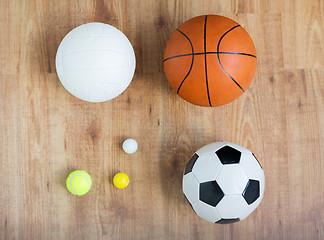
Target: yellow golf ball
[[121, 180]]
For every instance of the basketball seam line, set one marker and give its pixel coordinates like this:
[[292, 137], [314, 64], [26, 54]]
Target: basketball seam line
[[205, 56], [189, 54], [192, 60], [221, 38]]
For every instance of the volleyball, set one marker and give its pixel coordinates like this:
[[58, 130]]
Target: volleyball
[[95, 62]]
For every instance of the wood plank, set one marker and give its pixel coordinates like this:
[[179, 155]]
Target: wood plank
[[45, 132], [303, 27]]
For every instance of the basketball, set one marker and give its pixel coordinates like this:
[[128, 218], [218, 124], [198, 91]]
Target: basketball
[[210, 60]]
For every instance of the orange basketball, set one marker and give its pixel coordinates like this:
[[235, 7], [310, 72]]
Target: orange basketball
[[210, 60]]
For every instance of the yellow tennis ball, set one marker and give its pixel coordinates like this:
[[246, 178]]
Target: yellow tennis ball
[[121, 180], [79, 182]]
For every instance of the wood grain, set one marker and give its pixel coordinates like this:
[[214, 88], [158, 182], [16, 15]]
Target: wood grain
[[45, 132]]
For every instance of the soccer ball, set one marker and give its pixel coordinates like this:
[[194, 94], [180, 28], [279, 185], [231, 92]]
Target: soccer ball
[[95, 62], [223, 182]]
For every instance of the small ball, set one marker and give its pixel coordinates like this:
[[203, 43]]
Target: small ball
[[121, 180], [79, 182], [130, 146]]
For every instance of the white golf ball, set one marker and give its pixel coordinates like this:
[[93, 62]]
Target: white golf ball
[[130, 146]]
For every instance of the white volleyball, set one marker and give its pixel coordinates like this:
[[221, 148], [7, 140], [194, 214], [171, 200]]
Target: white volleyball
[[95, 62]]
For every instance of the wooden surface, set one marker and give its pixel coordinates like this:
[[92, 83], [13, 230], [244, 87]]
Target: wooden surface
[[45, 132]]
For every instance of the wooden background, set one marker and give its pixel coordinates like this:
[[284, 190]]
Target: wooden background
[[45, 132]]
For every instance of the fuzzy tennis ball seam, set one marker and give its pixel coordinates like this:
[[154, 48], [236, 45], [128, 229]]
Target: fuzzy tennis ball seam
[[79, 182], [78, 174]]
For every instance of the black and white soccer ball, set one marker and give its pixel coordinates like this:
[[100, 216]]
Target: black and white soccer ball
[[223, 182]]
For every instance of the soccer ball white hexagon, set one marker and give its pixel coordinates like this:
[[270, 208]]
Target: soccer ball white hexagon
[[95, 62], [223, 182]]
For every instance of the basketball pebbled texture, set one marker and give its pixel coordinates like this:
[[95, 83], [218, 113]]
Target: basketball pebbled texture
[[210, 60]]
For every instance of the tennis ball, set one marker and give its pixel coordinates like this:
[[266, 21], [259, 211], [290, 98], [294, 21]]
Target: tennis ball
[[78, 182], [121, 180]]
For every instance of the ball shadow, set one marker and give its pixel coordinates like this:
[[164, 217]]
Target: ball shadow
[[172, 161], [62, 176]]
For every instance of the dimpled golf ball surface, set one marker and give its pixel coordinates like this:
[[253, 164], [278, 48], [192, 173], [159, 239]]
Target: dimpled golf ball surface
[[130, 146], [121, 180], [95, 62]]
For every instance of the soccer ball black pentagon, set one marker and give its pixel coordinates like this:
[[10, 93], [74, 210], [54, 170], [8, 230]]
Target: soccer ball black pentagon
[[223, 182]]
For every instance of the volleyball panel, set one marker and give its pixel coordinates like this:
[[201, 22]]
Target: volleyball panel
[[95, 29], [115, 44]]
